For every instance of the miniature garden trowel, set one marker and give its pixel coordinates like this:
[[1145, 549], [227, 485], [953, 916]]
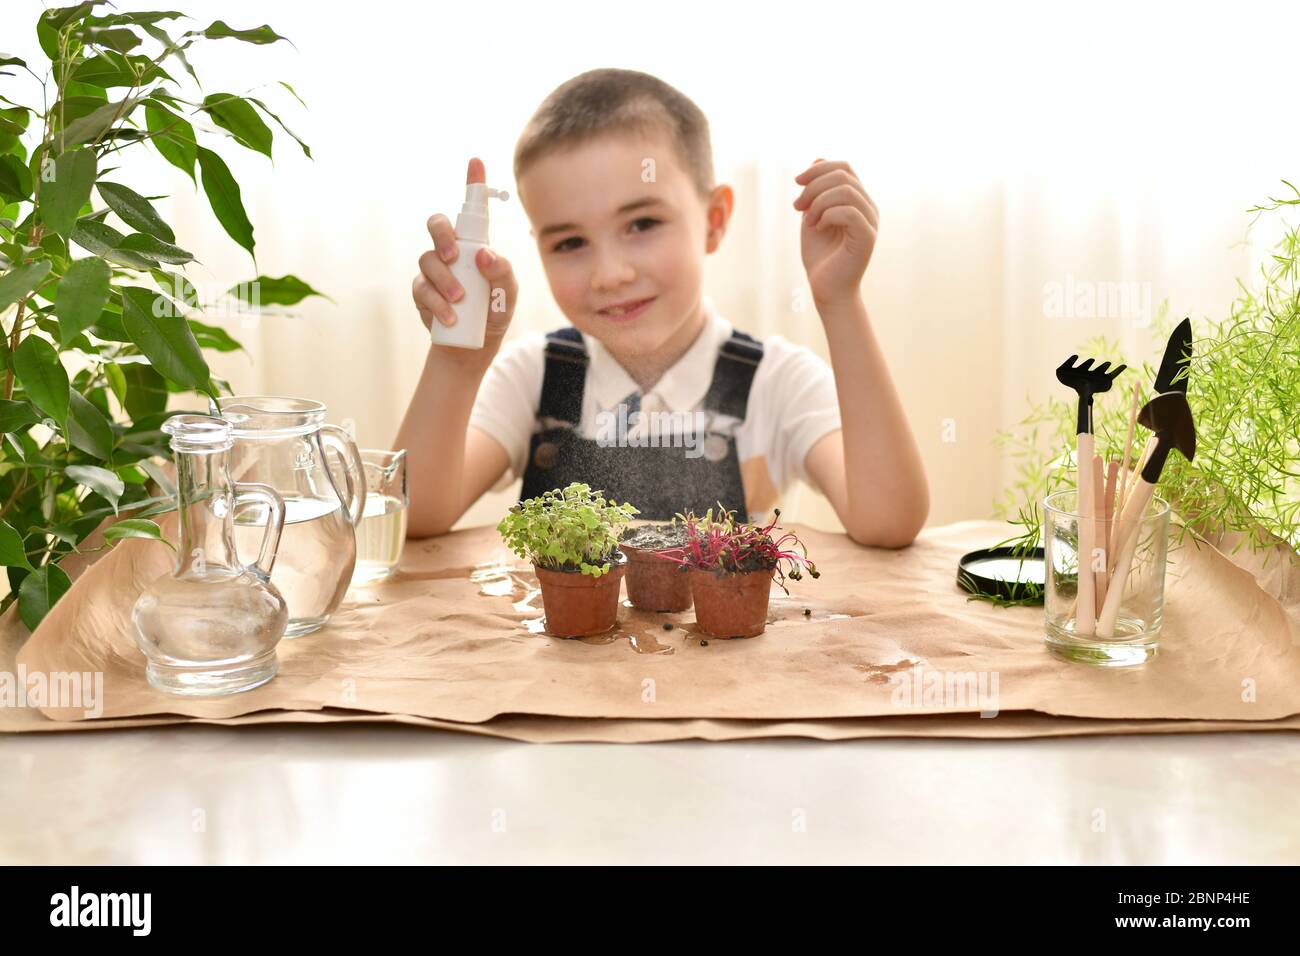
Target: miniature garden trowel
[[1170, 417], [1087, 381], [1175, 366]]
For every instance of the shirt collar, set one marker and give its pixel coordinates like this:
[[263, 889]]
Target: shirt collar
[[681, 388]]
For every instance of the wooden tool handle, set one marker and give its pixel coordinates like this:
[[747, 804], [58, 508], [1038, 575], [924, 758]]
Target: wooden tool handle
[[1137, 469], [1085, 621], [1099, 523], [1112, 489], [1127, 533]]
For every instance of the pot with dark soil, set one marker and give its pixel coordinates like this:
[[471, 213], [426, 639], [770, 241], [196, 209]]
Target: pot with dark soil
[[654, 584], [731, 566], [571, 537]]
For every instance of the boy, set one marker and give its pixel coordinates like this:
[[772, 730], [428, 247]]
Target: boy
[[615, 173]]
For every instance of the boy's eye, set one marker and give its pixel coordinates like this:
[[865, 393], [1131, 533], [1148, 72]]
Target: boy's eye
[[564, 245], [575, 242]]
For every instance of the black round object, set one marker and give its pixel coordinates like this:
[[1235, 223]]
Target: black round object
[[1005, 573]]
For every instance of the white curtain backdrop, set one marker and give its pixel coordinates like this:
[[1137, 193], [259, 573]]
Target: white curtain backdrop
[[1015, 152]]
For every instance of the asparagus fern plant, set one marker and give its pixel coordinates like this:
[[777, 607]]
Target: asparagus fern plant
[[1244, 391]]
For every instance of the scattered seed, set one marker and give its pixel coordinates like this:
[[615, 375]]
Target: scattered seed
[[704, 643], [668, 625], [807, 612]]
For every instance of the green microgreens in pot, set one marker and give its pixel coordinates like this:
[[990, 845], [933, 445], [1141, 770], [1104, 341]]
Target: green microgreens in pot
[[567, 529]]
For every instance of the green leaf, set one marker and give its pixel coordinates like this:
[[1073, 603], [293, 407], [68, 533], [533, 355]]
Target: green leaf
[[37, 365], [116, 381], [109, 327], [134, 528], [164, 337], [237, 117], [173, 137], [94, 125], [100, 480], [223, 194], [146, 391], [40, 591], [147, 17], [106, 242], [265, 109], [69, 190], [54, 246], [83, 292], [294, 92], [213, 337], [263, 34], [12, 552], [86, 91], [72, 108], [88, 429], [15, 179], [104, 70], [59, 17], [15, 416], [15, 120], [155, 248], [48, 37], [110, 69], [136, 211], [179, 289], [269, 290], [7, 60], [18, 283], [117, 38]]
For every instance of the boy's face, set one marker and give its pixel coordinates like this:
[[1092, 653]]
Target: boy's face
[[615, 229]]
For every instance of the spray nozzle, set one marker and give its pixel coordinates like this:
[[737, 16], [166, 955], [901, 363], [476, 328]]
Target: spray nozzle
[[472, 223]]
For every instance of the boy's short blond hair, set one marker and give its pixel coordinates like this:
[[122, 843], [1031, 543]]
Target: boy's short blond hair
[[624, 101]]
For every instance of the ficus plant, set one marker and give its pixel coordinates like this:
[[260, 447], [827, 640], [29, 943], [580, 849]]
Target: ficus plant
[[100, 323], [567, 529]]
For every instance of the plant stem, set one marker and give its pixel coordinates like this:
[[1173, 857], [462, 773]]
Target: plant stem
[[19, 488], [13, 345]]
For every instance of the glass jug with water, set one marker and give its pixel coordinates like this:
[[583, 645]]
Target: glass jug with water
[[284, 443], [212, 625]]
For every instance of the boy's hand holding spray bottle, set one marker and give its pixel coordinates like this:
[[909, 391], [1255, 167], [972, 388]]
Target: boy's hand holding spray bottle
[[465, 292]]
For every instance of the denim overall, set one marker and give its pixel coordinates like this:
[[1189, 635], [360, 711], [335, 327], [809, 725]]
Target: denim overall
[[659, 480]]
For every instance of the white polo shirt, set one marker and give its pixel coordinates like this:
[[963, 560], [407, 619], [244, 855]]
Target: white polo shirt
[[792, 402]]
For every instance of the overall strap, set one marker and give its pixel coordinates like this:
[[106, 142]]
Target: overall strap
[[565, 376], [733, 374]]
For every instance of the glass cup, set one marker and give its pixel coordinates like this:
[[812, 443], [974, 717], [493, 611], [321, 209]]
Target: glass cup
[[1134, 634], [382, 530]]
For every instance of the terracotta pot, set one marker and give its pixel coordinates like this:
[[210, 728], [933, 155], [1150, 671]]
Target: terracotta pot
[[731, 605], [654, 583], [578, 605]]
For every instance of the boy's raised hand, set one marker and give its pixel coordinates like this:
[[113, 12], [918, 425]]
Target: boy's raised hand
[[435, 288], [839, 230]]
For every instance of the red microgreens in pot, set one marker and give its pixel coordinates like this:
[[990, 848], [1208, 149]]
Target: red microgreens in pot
[[724, 546]]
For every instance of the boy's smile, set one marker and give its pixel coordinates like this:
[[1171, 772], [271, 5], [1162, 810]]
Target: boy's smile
[[623, 232]]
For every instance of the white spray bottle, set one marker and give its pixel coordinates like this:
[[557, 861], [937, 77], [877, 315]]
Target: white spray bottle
[[472, 308]]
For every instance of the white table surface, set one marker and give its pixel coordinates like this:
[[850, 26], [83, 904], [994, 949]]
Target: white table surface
[[394, 794]]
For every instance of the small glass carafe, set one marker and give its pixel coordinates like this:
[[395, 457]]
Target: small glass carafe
[[212, 625], [284, 442]]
